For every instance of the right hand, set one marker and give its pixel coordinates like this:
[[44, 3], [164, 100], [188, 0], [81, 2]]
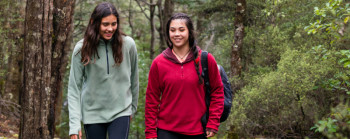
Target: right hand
[[76, 136], [152, 138]]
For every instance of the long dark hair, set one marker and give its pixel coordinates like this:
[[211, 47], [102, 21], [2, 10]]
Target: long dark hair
[[191, 38], [92, 35]]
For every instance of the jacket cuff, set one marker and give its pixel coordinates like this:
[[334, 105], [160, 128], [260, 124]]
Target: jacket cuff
[[74, 131], [147, 137], [151, 135], [212, 130], [214, 127]]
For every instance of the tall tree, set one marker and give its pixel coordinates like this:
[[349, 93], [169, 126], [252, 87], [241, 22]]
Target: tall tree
[[152, 8], [150, 18], [164, 13], [238, 38], [48, 30]]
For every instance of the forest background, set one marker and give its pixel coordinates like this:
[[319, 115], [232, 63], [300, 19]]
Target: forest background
[[288, 62]]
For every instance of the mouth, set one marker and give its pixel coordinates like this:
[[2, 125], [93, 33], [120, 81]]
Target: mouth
[[108, 34], [177, 39]]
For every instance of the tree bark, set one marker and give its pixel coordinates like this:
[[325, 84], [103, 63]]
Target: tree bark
[[236, 51], [152, 9], [165, 12], [48, 29], [238, 38], [37, 69], [130, 19], [63, 29]]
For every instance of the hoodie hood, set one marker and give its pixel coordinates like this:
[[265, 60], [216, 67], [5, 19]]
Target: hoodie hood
[[168, 54]]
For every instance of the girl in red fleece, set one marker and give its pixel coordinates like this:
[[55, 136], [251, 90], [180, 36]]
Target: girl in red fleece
[[175, 93]]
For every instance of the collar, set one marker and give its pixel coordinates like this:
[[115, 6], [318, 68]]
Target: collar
[[168, 54]]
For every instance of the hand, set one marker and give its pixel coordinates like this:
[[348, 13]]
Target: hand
[[210, 134], [130, 117], [76, 136], [152, 138]]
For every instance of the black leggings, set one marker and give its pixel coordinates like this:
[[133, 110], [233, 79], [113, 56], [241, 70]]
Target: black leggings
[[164, 134], [117, 129]]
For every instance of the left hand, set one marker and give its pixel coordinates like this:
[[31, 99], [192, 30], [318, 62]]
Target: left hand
[[130, 117], [210, 134]]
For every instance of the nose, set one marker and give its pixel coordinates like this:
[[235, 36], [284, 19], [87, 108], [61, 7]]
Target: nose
[[109, 28], [177, 33]]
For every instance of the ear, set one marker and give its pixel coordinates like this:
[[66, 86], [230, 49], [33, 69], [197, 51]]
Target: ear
[[91, 21]]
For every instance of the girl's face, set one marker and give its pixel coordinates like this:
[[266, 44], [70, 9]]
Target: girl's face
[[108, 26], [179, 33]]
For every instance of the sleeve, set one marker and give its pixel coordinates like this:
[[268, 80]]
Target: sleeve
[[134, 77], [152, 102], [216, 96], [74, 92]]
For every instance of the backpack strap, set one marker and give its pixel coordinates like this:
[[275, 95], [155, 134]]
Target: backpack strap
[[205, 75]]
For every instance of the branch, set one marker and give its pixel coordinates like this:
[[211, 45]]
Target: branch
[[210, 41], [150, 4], [143, 11]]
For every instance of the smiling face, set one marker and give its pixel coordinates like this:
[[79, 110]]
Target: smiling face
[[108, 27], [178, 33]]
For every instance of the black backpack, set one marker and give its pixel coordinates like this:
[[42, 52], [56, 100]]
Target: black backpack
[[227, 90]]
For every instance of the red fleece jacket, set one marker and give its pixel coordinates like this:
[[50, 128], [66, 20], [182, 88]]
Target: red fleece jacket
[[175, 99]]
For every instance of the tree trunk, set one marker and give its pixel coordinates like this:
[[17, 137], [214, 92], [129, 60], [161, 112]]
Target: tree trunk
[[199, 29], [63, 28], [37, 69], [238, 38], [152, 9], [165, 13], [236, 52], [161, 27], [130, 19], [48, 29]]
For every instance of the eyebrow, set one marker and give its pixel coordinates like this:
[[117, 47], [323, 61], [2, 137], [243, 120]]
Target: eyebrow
[[175, 27], [108, 22]]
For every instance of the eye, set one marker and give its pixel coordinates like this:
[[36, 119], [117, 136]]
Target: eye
[[114, 24], [105, 24]]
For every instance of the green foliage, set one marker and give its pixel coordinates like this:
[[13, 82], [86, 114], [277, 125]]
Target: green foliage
[[331, 18], [137, 126], [337, 125], [281, 102]]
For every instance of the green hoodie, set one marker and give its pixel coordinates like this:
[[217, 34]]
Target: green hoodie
[[101, 91]]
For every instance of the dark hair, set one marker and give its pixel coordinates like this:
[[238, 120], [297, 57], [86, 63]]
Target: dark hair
[[92, 35], [191, 38]]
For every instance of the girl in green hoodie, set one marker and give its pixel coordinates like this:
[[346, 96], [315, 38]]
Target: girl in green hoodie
[[103, 82]]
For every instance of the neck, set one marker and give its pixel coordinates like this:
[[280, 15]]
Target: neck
[[181, 51]]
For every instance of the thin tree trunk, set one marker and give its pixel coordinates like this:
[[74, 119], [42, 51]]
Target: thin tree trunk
[[165, 12], [63, 28], [152, 9], [199, 29], [48, 29], [236, 51], [130, 19], [161, 27], [238, 38]]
